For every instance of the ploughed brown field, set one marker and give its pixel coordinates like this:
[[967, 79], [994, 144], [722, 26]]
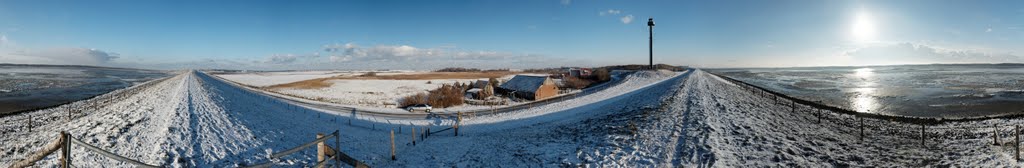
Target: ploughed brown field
[[322, 82]]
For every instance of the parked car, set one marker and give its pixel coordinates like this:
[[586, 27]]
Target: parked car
[[419, 107]]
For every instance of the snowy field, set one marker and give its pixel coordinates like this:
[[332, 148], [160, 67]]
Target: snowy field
[[212, 123], [369, 93], [379, 94], [261, 79], [651, 119]]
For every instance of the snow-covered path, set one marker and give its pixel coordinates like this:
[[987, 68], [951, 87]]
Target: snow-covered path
[[135, 115], [712, 122], [194, 120], [652, 119]]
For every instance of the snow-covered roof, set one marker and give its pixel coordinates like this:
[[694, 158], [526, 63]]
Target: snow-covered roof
[[474, 90], [525, 83], [481, 83]]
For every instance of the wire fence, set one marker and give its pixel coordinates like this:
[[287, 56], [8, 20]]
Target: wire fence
[[909, 131], [65, 140]]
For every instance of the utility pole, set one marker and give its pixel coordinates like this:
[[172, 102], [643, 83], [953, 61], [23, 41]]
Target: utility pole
[[650, 46]]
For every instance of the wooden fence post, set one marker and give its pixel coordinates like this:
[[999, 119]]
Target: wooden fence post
[[792, 106], [392, 144], [29, 123], [413, 136], [819, 116], [337, 149], [1016, 143], [65, 153], [861, 128], [922, 135], [457, 123], [995, 135], [321, 150]]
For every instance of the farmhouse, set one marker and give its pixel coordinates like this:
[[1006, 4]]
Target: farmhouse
[[529, 87], [481, 84], [579, 72]]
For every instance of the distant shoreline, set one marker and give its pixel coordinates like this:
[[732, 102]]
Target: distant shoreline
[[862, 66]]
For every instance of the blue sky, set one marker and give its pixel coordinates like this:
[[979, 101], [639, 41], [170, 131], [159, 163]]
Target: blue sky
[[507, 34]]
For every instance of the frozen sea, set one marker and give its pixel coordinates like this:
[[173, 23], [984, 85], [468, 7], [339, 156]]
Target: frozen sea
[[948, 91], [24, 87]]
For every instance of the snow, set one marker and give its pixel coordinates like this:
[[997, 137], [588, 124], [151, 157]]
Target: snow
[[714, 123], [650, 119], [368, 93], [524, 83], [196, 120]]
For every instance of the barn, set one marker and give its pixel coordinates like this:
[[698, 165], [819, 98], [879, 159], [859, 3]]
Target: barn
[[529, 87]]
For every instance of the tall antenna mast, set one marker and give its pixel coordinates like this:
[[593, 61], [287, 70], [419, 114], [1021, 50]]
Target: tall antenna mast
[[650, 47]]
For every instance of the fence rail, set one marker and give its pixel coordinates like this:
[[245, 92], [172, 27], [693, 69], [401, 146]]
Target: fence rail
[[920, 130], [65, 140], [109, 154], [908, 119]]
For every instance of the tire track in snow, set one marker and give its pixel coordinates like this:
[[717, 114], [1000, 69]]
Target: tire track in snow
[[701, 151], [690, 148], [680, 128], [211, 137]]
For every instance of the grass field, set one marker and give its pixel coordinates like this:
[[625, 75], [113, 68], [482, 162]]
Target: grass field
[[323, 82]]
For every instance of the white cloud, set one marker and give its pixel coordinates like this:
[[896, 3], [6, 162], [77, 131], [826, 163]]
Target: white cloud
[[910, 53], [394, 53], [566, 2], [288, 58], [3, 41], [60, 56], [609, 12], [988, 30], [11, 53], [627, 19], [357, 57]]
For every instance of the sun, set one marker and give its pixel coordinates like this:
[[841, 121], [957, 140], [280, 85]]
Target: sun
[[863, 28]]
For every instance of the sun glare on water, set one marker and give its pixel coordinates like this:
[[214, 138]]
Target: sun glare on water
[[863, 72], [863, 99], [863, 28]]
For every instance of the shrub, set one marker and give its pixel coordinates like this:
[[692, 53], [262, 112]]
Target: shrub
[[418, 98], [576, 83], [486, 92], [369, 74], [454, 69], [445, 96], [601, 75], [496, 70], [493, 82]]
